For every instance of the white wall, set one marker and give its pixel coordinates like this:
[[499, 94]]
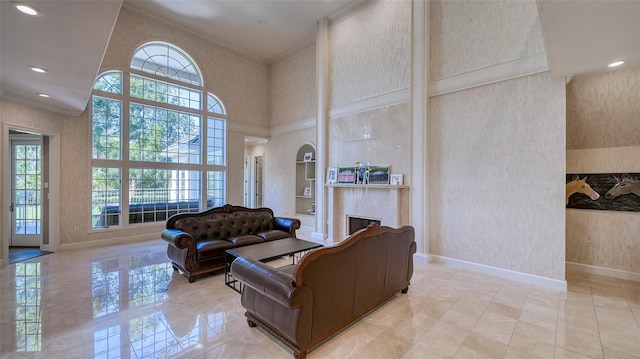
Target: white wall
[[370, 51], [603, 136], [496, 152]]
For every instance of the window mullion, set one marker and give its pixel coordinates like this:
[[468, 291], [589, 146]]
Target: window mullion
[[125, 165]]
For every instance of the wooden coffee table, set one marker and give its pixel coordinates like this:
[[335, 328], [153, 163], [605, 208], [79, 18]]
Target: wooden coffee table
[[263, 252]]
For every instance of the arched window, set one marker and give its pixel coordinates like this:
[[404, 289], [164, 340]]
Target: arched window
[[149, 161]]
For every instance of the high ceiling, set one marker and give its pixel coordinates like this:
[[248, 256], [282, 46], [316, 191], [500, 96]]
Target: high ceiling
[[70, 37]]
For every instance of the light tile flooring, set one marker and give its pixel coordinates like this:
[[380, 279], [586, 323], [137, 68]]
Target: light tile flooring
[[126, 302]]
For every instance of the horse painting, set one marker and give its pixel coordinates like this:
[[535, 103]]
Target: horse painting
[[581, 186], [623, 186]]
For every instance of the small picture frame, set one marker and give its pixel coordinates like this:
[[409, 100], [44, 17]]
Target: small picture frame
[[312, 209], [397, 179], [347, 174], [332, 175], [307, 192], [379, 174], [308, 157]]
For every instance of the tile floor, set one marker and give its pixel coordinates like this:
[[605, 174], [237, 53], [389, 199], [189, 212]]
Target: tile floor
[[127, 302]]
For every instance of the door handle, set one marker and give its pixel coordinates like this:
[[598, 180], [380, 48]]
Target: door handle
[[11, 207]]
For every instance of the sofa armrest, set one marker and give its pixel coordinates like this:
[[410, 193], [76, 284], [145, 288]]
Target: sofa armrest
[[270, 282], [288, 225], [178, 238]]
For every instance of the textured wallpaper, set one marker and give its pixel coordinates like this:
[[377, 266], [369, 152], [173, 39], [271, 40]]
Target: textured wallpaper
[[28, 117], [604, 238], [370, 51], [496, 175], [280, 170], [471, 35], [293, 88], [603, 110]]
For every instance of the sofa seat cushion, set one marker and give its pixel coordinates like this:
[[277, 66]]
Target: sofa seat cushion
[[245, 240], [273, 234], [211, 248]]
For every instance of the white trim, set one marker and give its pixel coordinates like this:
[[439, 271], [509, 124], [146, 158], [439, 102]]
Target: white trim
[[109, 242], [608, 272], [294, 126], [502, 273], [421, 258], [419, 122], [246, 129], [371, 103], [492, 74], [54, 187], [322, 128]]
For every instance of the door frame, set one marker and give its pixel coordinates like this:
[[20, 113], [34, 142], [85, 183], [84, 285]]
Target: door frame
[[53, 209]]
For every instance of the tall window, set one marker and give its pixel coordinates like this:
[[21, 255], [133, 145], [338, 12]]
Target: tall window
[[148, 157]]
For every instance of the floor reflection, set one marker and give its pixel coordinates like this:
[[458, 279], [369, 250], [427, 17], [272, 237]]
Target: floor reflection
[[126, 301], [28, 321]]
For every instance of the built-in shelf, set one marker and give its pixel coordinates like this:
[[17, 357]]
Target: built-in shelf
[[305, 180]]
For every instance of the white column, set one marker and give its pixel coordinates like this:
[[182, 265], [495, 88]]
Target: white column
[[322, 138], [419, 98]]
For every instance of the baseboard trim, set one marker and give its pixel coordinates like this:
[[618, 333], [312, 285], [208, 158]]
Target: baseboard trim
[[421, 258], [608, 272], [319, 237], [502, 273], [109, 242]]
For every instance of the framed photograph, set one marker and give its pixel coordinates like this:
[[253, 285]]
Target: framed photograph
[[347, 174], [378, 174], [308, 157], [307, 192], [332, 175], [397, 179], [312, 209]]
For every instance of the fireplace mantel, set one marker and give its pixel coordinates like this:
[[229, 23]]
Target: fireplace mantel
[[368, 186], [338, 207]]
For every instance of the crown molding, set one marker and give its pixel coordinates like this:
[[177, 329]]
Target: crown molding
[[294, 126], [371, 103], [506, 71], [250, 130]]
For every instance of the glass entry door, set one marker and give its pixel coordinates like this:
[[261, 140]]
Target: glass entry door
[[26, 194]]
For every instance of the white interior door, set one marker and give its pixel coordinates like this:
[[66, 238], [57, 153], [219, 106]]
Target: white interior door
[[258, 181], [26, 193]]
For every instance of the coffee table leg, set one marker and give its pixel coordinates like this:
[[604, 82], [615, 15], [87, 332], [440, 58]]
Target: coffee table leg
[[228, 277]]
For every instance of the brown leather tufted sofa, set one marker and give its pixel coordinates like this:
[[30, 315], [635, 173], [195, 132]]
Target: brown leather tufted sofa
[[328, 288], [197, 241]]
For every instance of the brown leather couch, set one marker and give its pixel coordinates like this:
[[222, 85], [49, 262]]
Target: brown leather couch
[[303, 304], [197, 241]]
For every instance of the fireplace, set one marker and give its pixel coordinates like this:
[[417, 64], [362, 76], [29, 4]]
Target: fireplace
[[355, 224]]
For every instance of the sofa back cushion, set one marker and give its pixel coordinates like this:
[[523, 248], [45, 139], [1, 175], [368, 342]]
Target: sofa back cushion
[[352, 277], [224, 225]]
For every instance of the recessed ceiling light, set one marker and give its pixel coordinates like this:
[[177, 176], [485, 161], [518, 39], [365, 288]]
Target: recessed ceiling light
[[38, 69], [617, 63], [43, 95], [27, 9]]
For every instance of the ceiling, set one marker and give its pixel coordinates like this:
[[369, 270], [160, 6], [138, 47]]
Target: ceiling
[[580, 37]]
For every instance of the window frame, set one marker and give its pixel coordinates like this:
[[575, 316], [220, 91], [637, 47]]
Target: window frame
[[125, 164]]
